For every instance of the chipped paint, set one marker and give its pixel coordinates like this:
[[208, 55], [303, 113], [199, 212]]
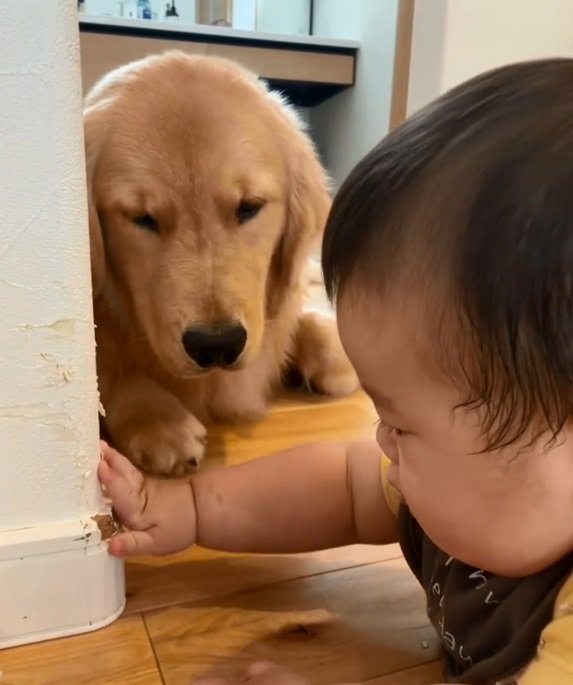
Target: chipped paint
[[84, 538], [107, 524], [10, 284], [61, 372], [27, 411], [62, 327]]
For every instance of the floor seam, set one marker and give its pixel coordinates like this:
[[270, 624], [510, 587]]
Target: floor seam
[[153, 651]]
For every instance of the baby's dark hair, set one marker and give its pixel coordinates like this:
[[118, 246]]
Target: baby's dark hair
[[472, 201]]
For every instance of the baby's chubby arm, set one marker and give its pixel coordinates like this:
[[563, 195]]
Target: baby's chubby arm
[[307, 498]]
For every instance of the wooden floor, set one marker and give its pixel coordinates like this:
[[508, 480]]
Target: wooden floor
[[354, 614]]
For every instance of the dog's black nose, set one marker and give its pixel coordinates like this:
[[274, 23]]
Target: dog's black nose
[[216, 346]]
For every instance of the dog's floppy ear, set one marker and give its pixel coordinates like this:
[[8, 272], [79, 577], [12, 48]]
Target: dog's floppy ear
[[308, 206], [95, 130], [98, 106]]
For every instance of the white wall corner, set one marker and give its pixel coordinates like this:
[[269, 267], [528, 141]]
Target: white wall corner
[[349, 124], [57, 580], [427, 53], [455, 40], [56, 577]]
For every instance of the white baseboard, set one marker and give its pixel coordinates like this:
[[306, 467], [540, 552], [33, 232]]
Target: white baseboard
[[57, 580]]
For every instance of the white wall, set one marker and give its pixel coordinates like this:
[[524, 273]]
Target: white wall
[[56, 576], [48, 397], [454, 40], [347, 126], [283, 16]]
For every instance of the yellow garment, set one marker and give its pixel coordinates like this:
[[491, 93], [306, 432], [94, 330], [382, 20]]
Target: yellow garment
[[392, 495], [553, 664]]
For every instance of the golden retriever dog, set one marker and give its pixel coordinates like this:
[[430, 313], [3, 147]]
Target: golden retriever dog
[[206, 198]]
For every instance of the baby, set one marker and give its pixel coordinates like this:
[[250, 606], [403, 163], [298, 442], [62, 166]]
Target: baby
[[449, 253]]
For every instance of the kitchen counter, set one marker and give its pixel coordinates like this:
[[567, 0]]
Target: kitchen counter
[[309, 69]]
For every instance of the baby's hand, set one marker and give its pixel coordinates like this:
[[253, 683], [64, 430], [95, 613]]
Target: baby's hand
[[261, 673], [158, 516]]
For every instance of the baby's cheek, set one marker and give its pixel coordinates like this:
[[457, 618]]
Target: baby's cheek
[[424, 490], [435, 506]]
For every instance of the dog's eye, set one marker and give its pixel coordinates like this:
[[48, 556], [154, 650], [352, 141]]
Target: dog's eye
[[146, 221], [247, 210]]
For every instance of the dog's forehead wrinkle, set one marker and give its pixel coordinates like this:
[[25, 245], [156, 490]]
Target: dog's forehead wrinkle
[[199, 150], [198, 120]]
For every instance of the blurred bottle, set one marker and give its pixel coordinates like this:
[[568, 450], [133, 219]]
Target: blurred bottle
[[144, 9], [171, 13]]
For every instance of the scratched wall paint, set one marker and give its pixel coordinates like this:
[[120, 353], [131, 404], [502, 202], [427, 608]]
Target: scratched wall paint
[[48, 395]]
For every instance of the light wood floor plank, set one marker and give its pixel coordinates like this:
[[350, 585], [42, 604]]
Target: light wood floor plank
[[199, 574], [347, 626], [120, 654], [421, 675]]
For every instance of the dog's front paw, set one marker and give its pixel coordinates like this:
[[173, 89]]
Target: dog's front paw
[[320, 358], [168, 447], [337, 379]]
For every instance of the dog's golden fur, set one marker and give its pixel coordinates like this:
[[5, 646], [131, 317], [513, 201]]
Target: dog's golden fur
[[181, 140]]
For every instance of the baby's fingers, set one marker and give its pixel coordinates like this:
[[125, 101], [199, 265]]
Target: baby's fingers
[[260, 673], [125, 486], [131, 543]]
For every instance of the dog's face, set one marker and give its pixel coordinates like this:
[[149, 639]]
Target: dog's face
[[205, 199]]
